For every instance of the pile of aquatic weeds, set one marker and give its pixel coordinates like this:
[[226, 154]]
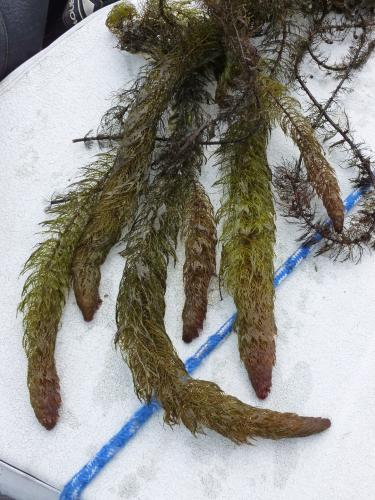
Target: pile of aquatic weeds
[[217, 73]]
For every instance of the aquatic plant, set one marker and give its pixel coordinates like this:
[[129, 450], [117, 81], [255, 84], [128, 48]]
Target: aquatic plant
[[217, 73]]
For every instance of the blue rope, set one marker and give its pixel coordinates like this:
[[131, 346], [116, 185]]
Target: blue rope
[[74, 488]]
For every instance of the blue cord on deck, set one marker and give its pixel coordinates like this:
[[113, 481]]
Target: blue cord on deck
[[73, 489]]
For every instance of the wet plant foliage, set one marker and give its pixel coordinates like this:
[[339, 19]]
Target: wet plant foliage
[[217, 73]]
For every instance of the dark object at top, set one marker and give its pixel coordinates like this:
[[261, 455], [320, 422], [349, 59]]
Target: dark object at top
[[22, 24], [26, 26], [76, 10], [64, 14]]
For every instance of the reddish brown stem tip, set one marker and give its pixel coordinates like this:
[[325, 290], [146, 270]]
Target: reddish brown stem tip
[[45, 396], [189, 333], [89, 309], [88, 303], [86, 280], [313, 425], [338, 224], [336, 211], [259, 365]]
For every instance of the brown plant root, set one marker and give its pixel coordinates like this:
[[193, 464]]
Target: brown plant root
[[44, 389], [200, 261]]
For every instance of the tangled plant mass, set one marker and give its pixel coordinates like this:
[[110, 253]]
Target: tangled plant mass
[[217, 73]]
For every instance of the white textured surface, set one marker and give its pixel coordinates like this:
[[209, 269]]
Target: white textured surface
[[325, 349]]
